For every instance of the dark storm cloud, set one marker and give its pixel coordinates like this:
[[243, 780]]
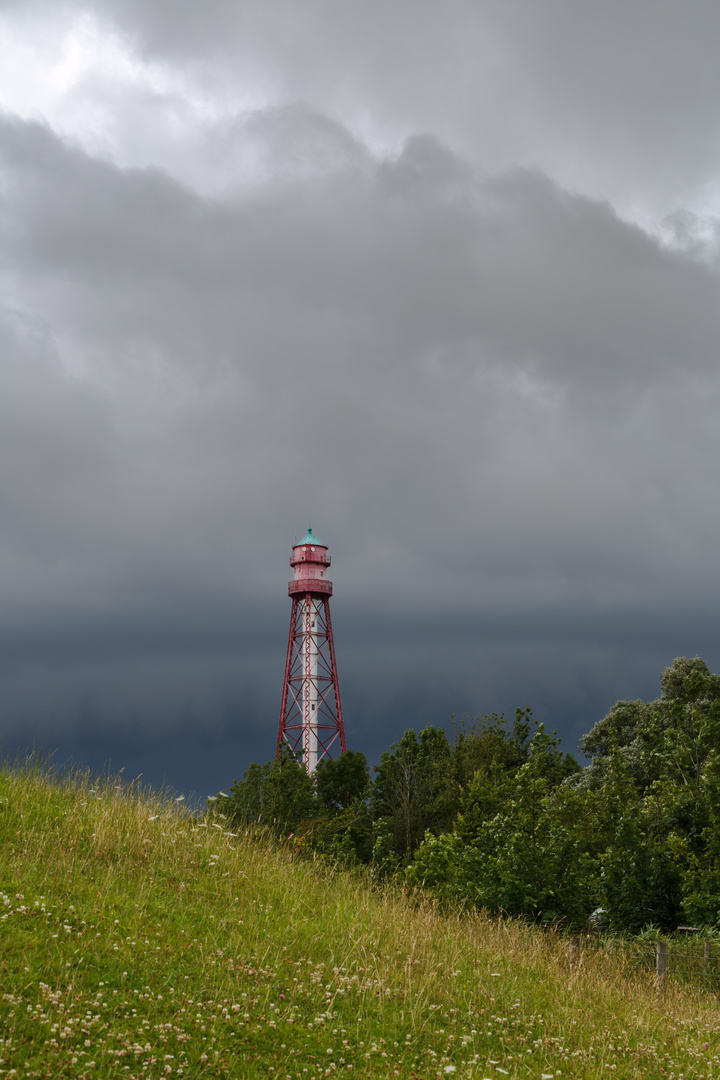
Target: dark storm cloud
[[411, 249], [493, 397]]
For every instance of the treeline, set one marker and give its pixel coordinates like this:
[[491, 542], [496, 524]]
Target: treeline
[[501, 818]]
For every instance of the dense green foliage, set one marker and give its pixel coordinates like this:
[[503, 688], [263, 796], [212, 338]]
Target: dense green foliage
[[502, 819]]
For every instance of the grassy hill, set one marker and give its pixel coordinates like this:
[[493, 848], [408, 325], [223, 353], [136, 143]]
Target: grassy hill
[[140, 942]]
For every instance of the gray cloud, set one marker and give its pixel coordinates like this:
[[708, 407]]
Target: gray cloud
[[494, 396], [618, 102]]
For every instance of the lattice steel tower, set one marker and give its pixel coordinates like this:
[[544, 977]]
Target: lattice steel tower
[[311, 715]]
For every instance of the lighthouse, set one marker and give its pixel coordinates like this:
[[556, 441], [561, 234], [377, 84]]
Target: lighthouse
[[311, 720]]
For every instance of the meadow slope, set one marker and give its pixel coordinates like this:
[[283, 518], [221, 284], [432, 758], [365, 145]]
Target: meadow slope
[[141, 942]]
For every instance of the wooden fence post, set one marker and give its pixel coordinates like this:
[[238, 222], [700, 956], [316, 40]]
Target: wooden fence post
[[661, 965], [574, 953]]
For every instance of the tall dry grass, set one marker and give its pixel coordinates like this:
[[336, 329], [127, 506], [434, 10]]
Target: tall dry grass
[[238, 958]]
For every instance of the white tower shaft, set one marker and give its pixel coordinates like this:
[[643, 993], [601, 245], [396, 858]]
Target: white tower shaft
[[311, 611]]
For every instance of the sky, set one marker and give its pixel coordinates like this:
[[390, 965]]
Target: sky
[[440, 280]]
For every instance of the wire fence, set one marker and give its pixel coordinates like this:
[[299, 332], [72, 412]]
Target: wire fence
[[687, 960]]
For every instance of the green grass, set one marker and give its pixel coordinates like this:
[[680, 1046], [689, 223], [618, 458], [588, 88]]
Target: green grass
[[140, 942]]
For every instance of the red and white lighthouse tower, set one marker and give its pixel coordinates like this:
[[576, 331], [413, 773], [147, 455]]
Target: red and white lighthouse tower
[[311, 720]]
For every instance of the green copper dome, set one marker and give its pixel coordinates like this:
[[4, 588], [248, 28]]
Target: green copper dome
[[310, 539]]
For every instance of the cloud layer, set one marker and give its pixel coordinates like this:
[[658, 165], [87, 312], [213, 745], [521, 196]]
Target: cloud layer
[[260, 271]]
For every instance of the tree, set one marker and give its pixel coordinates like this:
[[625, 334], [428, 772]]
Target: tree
[[498, 754], [662, 864], [279, 794], [343, 830], [415, 790], [656, 738], [520, 844], [342, 781]]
